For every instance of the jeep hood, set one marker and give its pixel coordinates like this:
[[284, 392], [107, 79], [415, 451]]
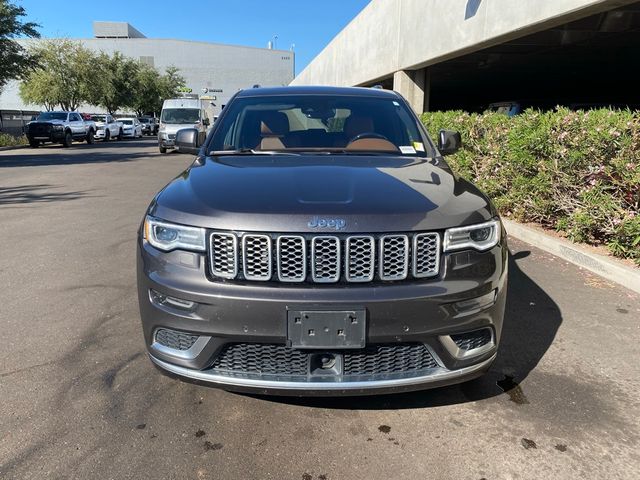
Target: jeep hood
[[284, 193]]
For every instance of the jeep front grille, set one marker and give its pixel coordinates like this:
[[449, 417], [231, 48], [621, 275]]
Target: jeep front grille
[[323, 258]]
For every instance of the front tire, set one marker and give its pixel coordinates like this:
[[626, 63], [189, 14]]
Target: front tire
[[119, 137], [163, 150], [68, 140], [90, 137], [107, 136], [34, 143]]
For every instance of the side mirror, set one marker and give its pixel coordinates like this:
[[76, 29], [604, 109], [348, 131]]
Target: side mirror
[[187, 141], [449, 142], [205, 122]]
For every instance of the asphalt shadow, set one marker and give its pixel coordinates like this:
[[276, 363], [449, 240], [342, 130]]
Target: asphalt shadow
[[77, 154], [36, 193], [526, 336]]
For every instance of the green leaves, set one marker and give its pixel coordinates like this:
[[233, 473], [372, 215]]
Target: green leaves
[[15, 61], [68, 75], [576, 172]]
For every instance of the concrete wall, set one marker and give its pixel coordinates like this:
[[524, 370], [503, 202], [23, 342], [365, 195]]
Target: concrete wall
[[393, 35], [209, 65]]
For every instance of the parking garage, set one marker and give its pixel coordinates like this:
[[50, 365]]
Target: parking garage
[[586, 62]]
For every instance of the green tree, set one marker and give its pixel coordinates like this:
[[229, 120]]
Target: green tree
[[15, 61], [151, 88], [147, 95], [171, 82], [64, 75], [114, 82]]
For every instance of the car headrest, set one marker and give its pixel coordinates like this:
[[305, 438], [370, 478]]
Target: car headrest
[[274, 124], [357, 124]]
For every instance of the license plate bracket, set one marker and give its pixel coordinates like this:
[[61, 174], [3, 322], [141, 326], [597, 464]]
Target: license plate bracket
[[326, 329]]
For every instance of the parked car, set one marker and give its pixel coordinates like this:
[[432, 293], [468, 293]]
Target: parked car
[[107, 127], [149, 125], [510, 109], [131, 127], [59, 127], [320, 244], [180, 113]]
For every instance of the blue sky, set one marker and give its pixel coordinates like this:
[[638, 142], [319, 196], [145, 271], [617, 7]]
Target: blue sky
[[309, 24]]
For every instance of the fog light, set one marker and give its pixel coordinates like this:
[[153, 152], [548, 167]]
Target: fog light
[[477, 303], [161, 299]]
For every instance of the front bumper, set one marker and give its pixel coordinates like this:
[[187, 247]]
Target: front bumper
[[100, 134], [166, 140], [53, 136], [225, 313]]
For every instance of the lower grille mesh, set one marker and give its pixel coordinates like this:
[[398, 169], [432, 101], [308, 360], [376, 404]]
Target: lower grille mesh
[[472, 340], [377, 359], [261, 358], [268, 359], [175, 339]]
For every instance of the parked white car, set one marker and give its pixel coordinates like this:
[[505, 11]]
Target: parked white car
[[131, 127], [107, 127]]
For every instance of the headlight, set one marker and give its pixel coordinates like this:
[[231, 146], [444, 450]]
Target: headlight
[[58, 127], [169, 236], [481, 237]]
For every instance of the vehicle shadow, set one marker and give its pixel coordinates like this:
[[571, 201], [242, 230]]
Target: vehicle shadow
[[88, 154], [526, 336]]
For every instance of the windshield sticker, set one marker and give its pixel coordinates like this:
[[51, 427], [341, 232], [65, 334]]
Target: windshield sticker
[[418, 146], [407, 149]]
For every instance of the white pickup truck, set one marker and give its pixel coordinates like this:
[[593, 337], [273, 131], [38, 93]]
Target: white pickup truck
[[107, 127]]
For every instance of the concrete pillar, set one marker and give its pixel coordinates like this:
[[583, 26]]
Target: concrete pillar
[[414, 85]]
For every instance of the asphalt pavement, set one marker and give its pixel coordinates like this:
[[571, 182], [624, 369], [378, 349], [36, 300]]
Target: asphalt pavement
[[79, 398]]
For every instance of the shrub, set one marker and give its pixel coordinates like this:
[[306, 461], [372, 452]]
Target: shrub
[[7, 140], [575, 172]]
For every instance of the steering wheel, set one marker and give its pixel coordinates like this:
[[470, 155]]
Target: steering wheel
[[368, 135]]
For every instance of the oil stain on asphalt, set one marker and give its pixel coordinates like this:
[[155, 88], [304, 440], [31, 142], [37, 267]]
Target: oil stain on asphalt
[[212, 446], [513, 389], [384, 428], [528, 444]]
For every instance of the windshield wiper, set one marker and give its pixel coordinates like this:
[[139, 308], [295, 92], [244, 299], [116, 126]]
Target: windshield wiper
[[249, 151]]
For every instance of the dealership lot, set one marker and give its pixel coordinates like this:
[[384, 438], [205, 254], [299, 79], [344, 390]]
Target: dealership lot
[[79, 398]]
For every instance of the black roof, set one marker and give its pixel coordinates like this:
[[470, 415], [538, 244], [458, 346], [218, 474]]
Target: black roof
[[318, 90]]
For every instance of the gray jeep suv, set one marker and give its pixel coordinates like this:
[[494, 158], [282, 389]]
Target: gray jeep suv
[[319, 244]]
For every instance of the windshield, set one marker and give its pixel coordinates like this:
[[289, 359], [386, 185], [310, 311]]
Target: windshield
[[52, 116], [98, 118], [180, 115], [297, 123], [144, 120], [127, 122]]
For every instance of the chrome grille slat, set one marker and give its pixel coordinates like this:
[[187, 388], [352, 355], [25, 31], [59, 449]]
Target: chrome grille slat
[[325, 259], [394, 257], [223, 255], [298, 258], [360, 258], [292, 258], [426, 254], [256, 257]]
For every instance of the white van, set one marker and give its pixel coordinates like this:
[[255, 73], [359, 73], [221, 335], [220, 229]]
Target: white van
[[179, 113]]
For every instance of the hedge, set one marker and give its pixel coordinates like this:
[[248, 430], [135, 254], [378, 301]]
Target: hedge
[[575, 172], [7, 140]]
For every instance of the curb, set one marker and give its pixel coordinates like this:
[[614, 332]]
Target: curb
[[605, 267], [17, 147]]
